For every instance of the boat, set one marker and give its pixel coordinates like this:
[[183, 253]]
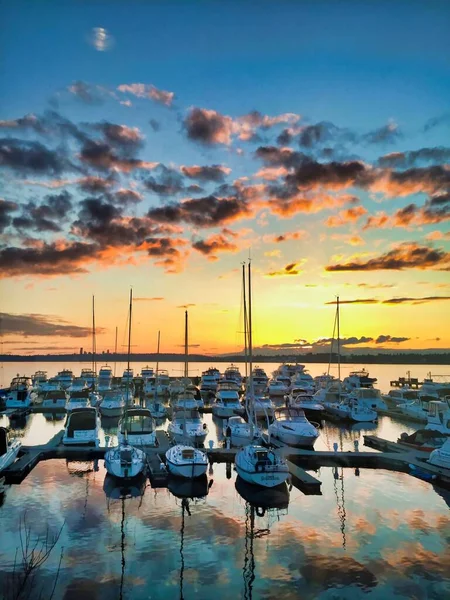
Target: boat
[[125, 461], [176, 386], [424, 439], [323, 381], [232, 373], [113, 403], [187, 462], [416, 409], [157, 409], [441, 456], [89, 376], [19, 393], [358, 379], [82, 427], [78, 400], [304, 380], [78, 385], [228, 384], [439, 416], [65, 378], [262, 407], [9, 448], [162, 382], [37, 379], [398, 396], [186, 400], [276, 387], [147, 373], [255, 464], [369, 396], [227, 403], [291, 427], [299, 398], [138, 427], [127, 377], [55, 400], [187, 427], [435, 389], [288, 370], [351, 409], [51, 385], [104, 381], [240, 433], [209, 380], [331, 395]]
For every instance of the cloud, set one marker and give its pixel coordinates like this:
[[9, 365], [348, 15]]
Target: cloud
[[94, 184], [215, 173], [6, 208], [208, 126], [438, 235], [121, 137], [186, 305], [271, 173], [47, 216], [388, 134], [290, 269], [143, 90], [349, 215], [408, 255], [349, 341], [312, 135], [126, 197], [143, 299], [289, 236], [154, 124], [352, 240], [415, 300], [383, 339], [88, 93], [214, 244], [42, 325], [443, 119], [357, 301], [435, 210], [101, 39], [101, 156], [31, 157], [406, 160], [169, 182]]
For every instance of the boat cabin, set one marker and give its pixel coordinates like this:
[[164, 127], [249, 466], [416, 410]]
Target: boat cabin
[[188, 454], [81, 419], [4, 440], [289, 414], [137, 421]]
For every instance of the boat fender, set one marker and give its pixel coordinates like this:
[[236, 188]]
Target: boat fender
[[204, 425], [260, 511]]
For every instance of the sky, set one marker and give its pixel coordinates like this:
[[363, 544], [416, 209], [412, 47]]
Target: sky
[[159, 145]]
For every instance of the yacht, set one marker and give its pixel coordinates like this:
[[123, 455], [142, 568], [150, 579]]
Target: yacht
[[137, 426], [150, 387], [437, 389], [331, 395], [157, 409], [439, 416], [351, 409], [195, 391], [186, 462], [147, 373], [398, 396], [176, 387], [186, 400], [127, 377], [292, 427], [56, 399], [227, 403], [19, 393], [89, 376], [305, 402], [209, 380], [276, 387], [105, 376], [262, 407], [187, 426], [163, 382], [65, 378], [415, 409], [323, 381], [232, 372], [358, 379], [78, 385], [82, 427], [9, 449], [369, 396], [441, 456], [51, 385], [38, 379], [304, 380], [228, 384], [261, 466], [113, 403], [288, 370], [78, 400], [240, 432], [125, 461]]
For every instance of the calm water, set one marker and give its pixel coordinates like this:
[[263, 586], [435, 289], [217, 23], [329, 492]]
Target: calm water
[[379, 534]]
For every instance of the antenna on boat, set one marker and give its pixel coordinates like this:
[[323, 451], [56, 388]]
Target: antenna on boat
[[186, 347], [250, 339], [115, 353], [129, 343], [245, 321], [94, 345], [157, 364]]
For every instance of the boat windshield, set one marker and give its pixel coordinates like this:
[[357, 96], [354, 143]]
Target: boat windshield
[[289, 414], [187, 454], [83, 420], [138, 424]]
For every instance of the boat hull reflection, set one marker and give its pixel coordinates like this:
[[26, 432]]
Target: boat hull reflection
[[275, 497], [189, 488], [117, 489]]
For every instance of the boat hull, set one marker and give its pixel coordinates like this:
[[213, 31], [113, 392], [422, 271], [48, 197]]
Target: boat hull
[[292, 438], [262, 479], [111, 411], [187, 470], [7, 459]]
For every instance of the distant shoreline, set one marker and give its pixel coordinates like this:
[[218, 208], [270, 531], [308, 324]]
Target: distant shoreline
[[404, 358]]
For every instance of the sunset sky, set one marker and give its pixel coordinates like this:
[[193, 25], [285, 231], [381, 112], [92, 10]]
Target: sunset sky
[[158, 144]]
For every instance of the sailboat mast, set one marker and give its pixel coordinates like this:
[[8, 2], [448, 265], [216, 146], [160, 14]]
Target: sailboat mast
[[338, 340], [94, 346], [250, 338], [186, 346], [157, 354], [245, 321], [129, 343], [115, 352]]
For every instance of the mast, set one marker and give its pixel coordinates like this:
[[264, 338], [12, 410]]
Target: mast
[[129, 342], [338, 342], [157, 357], [94, 346], [186, 347], [250, 339], [245, 321], [115, 353]]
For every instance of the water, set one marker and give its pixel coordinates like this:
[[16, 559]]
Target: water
[[378, 534]]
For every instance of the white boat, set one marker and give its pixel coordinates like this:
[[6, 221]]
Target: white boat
[[304, 380], [157, 409], [331, 395], [89, 376], [260, 380], [398, 396], [261, 407], [441, 456], [186, 400], [125, 461], [187, 427], [19, 393], [78, 400], [305, 402], [38, 379], [323, 381], [9, 448], [138, 427], [228, 384], [82, 427], [358, 379], [439, 416], [195, 391], [150, 387], [416, 409], [147, 373], [55, 400], [127, 376], [261, 466], [275, 387], [351, 409], [113, 403], [162, 383], [209, 380], [65, 378], [78, 385], [292, 427], [105, 377], [176, 387], [369, 396], [227, 403], [438, 388], [232, 372], [240, 432], [51, 385], [186, 462]]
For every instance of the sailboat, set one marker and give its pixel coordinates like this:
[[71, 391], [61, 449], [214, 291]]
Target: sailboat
[[255, 464], [9, 448], [125, 461]]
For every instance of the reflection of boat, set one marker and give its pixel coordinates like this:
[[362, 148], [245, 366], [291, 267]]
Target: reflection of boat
[[340, 501], [275, 497], [117, 490], [9, 448], [189, 488], [187, 462]]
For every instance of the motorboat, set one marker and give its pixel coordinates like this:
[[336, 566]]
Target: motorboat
[[82, 427], [19, 393], [305, 402], [185, 461], [89, 376], [286, 381], [261, 466], [239, 432], [232, 372], [288, 370], [369, 396], [9, 448], [304, 380], [113, 403], [195, 391], [138, 427], [176, 387], [147, 373], [125, 461], [228, 384], [439, 416], [261, 406], [437, 389], [186, 400], [259, 374], [187, 427], [227, 403], [104, 381], [157, 409], [127, 377], [351, 409], [415, 409], [55, 400], [398, 396], [150, 387], [331, 395], [291, 426], [441, 456], [162, 382], [323, 381], [275, 387], [358, 379], [51, 385], [78, 385], [38, 379], [209, 380], [65, 378], [78, 400], [425, 440]]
